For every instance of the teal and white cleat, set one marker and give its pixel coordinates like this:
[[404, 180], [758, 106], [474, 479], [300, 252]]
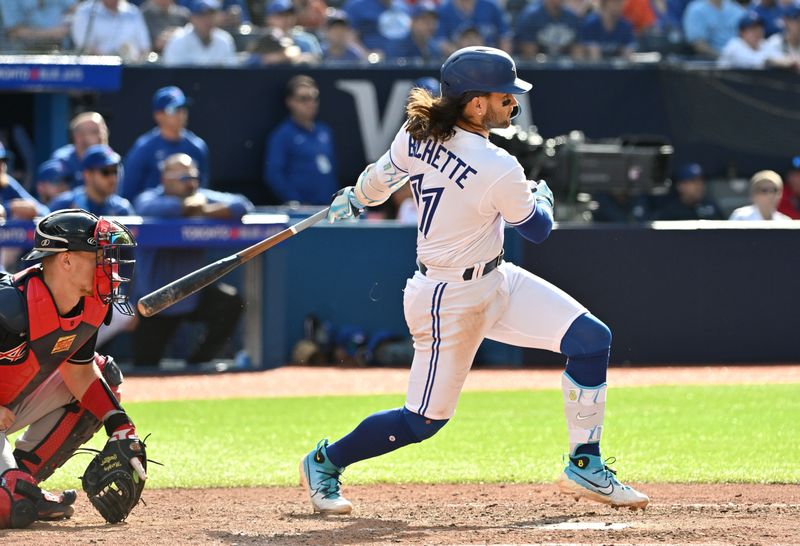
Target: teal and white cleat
[[320, 477], [587, 476]]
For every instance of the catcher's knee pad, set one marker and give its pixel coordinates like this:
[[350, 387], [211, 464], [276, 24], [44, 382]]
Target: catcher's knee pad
[[421, 427], [19, 494], [586, 336], [75, 428]]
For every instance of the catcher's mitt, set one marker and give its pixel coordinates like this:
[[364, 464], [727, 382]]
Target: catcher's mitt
[[115, 478]]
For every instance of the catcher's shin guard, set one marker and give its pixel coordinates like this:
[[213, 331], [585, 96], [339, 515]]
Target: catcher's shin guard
[[22, 501], [75, 428]]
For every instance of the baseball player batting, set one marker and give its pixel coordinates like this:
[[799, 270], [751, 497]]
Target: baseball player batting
[[466, 189]]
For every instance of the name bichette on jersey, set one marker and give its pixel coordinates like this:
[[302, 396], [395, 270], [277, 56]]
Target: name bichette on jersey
[[434, 152]]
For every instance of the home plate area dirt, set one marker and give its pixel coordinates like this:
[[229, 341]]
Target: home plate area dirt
[[439, 514]]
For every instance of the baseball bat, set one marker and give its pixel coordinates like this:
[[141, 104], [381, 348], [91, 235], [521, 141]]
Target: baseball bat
[[168, 295]]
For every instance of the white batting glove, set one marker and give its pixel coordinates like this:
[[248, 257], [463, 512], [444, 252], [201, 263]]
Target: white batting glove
[[344, 205], [543, 194]]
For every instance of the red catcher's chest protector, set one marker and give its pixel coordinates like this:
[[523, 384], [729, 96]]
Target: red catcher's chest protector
[[51, 339]]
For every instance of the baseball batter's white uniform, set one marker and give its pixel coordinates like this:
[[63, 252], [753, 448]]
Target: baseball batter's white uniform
[[466, 190]]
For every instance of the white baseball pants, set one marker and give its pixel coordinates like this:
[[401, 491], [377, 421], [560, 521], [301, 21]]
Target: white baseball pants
[[449, 320]]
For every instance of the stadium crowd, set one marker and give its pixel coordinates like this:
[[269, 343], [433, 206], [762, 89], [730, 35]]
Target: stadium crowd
[[734, 33]]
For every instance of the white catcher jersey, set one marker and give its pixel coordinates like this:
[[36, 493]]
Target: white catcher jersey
[[464, 188]]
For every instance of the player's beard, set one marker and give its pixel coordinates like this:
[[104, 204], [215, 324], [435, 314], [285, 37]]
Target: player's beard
[[497, 118]]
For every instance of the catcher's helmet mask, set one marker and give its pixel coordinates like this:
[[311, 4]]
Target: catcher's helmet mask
[[78, 230]]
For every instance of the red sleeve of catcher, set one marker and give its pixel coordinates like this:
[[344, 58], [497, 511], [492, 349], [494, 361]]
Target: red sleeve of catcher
[[99, 400]]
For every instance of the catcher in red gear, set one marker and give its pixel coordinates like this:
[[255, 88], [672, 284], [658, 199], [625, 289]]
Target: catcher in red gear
[[51, 379]]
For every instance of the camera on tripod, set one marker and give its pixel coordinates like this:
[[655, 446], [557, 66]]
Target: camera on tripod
[[577, 169]]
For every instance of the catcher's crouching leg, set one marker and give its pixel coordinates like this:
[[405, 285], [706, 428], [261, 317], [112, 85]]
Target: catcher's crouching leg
[[22, 501], [75, 428]]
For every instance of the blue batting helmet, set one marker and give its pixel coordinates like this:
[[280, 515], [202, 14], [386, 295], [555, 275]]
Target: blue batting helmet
[[480, 68]]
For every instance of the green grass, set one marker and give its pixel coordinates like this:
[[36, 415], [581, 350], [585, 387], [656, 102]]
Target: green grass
[[658, 434]]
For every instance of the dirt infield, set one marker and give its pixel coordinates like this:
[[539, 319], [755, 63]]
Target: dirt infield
[[440, 514]]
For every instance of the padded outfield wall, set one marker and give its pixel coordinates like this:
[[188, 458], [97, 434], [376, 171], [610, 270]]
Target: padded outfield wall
[[689, 292]]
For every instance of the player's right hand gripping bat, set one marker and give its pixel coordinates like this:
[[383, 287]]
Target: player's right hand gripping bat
[[187, 285]]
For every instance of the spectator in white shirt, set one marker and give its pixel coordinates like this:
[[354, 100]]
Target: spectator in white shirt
[[749, 49], [788, 41], [765, 193], [201, 42], [111, 27]]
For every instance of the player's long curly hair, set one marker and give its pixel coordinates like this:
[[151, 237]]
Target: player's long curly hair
[[432, 117]]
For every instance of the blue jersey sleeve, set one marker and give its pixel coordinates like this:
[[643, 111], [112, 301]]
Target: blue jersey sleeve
[[121, 207], [538, 227], [14, 190], [275, 169], [239, 205], [203, 164], [61, 202], [132, 183]]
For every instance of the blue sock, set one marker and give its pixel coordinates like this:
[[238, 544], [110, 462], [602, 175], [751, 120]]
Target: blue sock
[[588, 449], [381, 433], [588, 370]]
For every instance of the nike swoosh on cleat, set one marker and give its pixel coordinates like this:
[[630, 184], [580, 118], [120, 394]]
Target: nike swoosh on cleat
[[607, 489], [584, 417]]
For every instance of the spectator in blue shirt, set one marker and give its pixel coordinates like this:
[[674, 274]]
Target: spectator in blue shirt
[[486, 15], [378, 22], [688, 199], [37, 24], [340, 45], [546, 28], [606, 34], [420, 43], [771, 12], [87, 129], [169, 137], [300, 155], [218, 306], [15, 202], [101, 167], [280, 17], [675, 11], [710, 24], [51, 180]]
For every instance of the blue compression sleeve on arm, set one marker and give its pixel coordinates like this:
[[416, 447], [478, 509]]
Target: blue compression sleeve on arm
[[538, 227]]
